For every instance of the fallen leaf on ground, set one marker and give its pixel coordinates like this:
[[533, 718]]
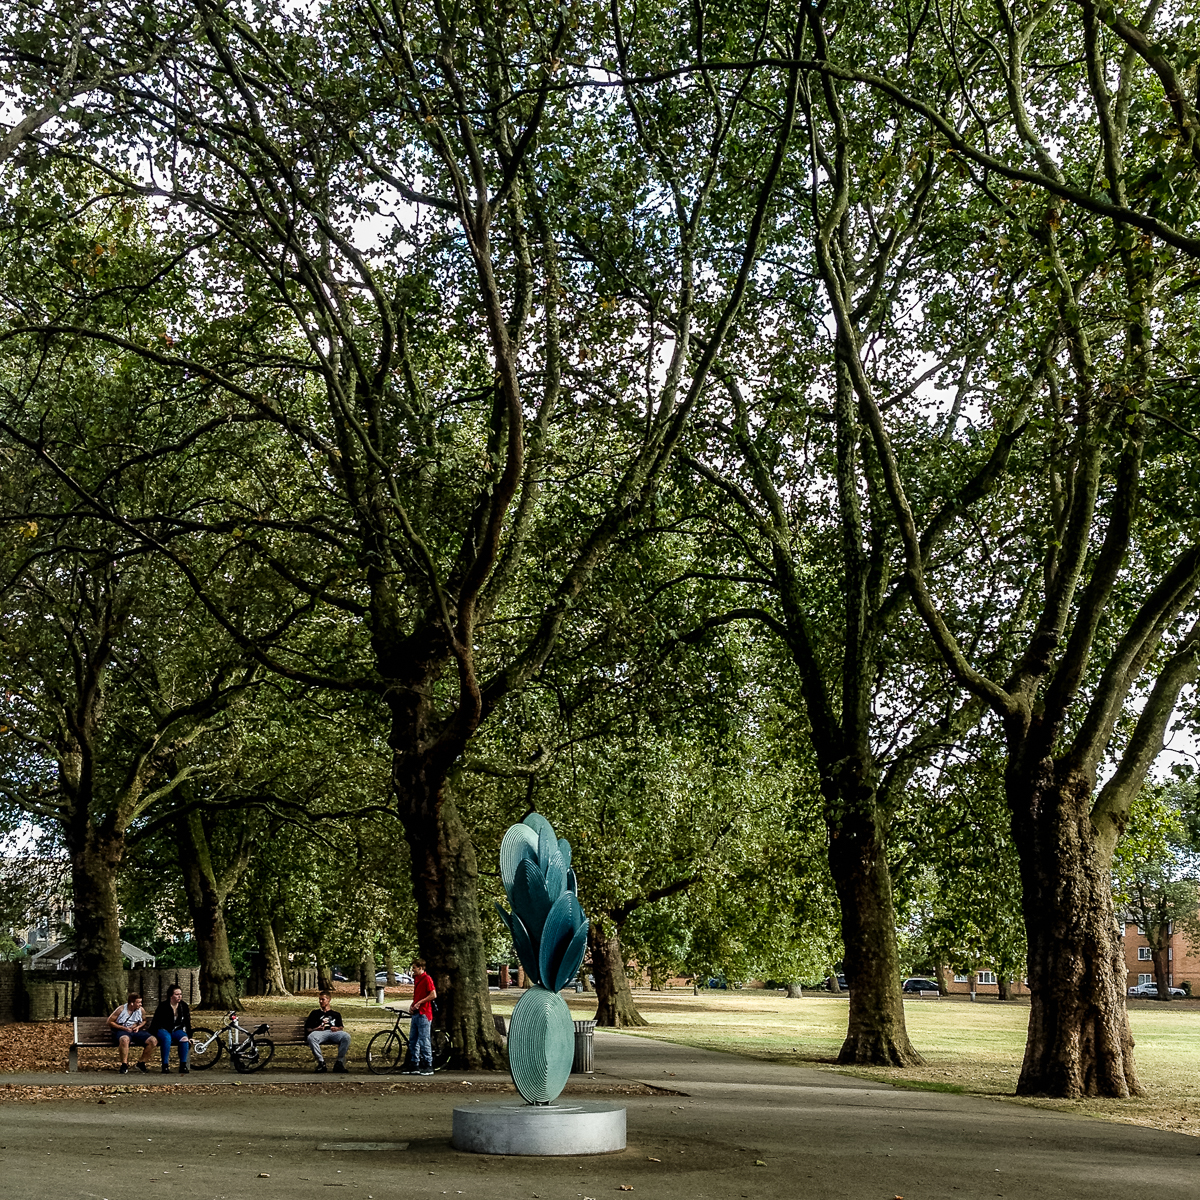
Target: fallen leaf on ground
[[758, 1162], [625, 1187], [263, 1175], [649, 1159]]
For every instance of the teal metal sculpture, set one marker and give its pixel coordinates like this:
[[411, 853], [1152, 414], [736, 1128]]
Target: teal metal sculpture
[[549, 932]]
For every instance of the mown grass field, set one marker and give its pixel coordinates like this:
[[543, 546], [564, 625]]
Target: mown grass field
[[971, 1048]]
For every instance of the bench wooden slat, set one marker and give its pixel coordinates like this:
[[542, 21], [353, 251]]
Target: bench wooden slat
[[285, 1030]]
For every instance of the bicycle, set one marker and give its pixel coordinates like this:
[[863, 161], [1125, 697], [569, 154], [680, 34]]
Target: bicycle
[[387, 1051], [248, 1051]]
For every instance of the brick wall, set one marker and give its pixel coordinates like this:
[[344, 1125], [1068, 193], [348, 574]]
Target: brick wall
[[153, 983], [50, 995], [12, 995], [48, 999], [302, 979]]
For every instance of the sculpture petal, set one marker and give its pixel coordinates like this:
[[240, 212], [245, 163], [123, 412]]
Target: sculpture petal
[[556, 875], [529, 897], [525, 948], [504, 916], [556, 936], [564, 848], [538, 824], [520, 841], [547, 847], [572, 959]]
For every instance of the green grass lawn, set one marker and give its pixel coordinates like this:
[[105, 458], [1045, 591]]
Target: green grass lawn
[[974, 1048], [969, 1047]]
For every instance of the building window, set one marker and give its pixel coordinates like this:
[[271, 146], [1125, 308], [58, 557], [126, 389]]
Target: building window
[[1142, 930], [1145, 979], [986, 977], [1143, 954], [960, 979]]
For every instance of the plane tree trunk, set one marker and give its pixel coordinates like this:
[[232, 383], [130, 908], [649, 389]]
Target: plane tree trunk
[[449, 931], [939, 973], [1158, 958], [95, 864], [615, 1008], [218, 979], [1079, 1042], [366, 967], [273, 981], [876, 1032], [206, 891], [324, 970]]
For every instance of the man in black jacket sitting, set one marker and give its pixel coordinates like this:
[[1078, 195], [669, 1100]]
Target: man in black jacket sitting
[[323, 1025]]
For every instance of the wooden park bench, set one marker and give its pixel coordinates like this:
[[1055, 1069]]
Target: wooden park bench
[[285, 1030], [89, 1031], [94, 1032]]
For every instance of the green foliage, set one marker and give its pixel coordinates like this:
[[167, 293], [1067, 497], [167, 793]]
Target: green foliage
[[958, 877], [1156, 868]]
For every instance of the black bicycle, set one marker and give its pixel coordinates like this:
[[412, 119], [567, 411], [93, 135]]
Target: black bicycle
[[248, 1051], [387, 1051]]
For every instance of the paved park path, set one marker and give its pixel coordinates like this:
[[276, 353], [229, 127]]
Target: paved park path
[[733, 1128]]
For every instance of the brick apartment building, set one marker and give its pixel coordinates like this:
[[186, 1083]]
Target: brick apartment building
[[1183, 963]]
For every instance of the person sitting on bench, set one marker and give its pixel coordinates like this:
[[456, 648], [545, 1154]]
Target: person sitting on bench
[[324, 1025], [128, 1024], [172, 1022]]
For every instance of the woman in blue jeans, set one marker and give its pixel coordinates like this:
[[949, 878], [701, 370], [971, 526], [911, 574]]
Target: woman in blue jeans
[[172, 1022]]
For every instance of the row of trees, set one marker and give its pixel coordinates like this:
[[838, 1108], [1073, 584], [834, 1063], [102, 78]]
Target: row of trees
[[799, 396]]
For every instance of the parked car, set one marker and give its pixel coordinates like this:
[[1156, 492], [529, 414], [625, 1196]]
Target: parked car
[[1149, 991], [918, 983], [841, 982], [381, 977], [339, 976]]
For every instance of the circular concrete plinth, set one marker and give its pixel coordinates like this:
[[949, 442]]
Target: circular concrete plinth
[[509, 1127]]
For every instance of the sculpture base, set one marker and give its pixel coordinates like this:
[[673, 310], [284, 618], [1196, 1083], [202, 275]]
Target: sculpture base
[[510, 1127]]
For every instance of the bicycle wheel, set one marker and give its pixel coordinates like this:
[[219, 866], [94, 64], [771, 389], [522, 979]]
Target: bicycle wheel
[[442, 1046], [253, 1054], [386, 1052], [205, 1050]]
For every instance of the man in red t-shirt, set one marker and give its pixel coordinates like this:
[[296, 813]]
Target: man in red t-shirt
[[420, 1048]]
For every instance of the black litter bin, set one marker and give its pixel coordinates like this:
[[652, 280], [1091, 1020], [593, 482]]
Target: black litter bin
[[584, 1061]]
